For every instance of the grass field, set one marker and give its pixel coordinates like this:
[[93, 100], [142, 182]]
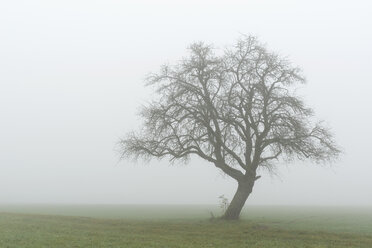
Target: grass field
[[182, 226]]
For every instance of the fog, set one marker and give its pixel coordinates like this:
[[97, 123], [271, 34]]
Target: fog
[[72, 82]]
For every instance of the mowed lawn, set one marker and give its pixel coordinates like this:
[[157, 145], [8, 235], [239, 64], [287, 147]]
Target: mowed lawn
[[266, 227]]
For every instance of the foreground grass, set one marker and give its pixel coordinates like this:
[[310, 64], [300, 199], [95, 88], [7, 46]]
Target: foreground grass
[[20, 230], [356, 220]]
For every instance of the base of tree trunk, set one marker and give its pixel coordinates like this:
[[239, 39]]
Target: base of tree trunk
[[238, 201]]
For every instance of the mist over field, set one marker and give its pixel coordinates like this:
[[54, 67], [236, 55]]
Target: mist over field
[[72, 81]]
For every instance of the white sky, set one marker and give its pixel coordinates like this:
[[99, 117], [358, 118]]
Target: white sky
[[71, 83]]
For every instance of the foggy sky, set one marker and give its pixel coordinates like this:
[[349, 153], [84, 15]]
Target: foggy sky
[[71, 83]]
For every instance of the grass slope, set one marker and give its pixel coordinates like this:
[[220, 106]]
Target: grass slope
[[37, 231]]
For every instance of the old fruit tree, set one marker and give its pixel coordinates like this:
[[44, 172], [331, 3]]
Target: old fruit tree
[[237, 110]]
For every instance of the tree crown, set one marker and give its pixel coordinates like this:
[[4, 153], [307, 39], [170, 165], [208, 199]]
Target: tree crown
[[238, 110]]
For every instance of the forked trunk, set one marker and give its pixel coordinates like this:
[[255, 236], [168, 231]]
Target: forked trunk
[[237, 203]]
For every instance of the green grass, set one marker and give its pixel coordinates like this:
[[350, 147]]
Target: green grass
[[329, 219], [183, 226]]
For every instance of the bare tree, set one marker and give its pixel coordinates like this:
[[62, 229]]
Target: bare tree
[[238, 111]]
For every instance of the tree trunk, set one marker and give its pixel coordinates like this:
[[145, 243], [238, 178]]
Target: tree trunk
[[237, 203]]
